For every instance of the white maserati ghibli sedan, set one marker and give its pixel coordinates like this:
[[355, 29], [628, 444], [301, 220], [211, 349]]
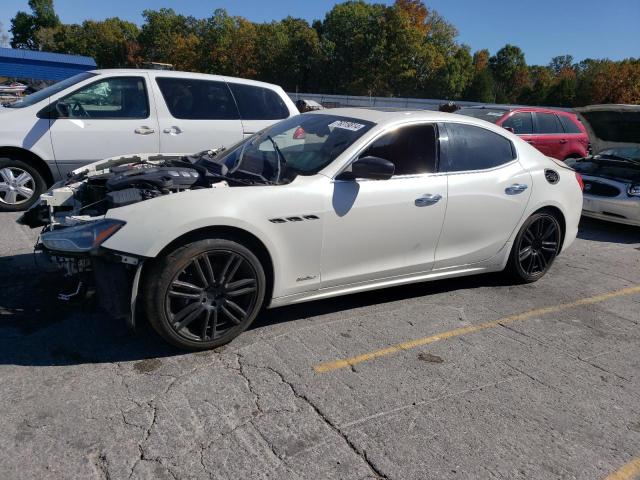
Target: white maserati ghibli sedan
[[318, 205]]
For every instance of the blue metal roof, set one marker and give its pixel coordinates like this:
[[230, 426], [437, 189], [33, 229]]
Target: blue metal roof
[[37, 65]]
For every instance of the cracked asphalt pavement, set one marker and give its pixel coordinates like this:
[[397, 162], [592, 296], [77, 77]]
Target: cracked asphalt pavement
[[554, 395]]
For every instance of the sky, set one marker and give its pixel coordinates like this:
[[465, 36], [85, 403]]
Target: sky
[[542, 29]]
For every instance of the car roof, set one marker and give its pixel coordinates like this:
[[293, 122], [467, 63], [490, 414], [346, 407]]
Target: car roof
[[179, 74], [391, 115], [522, 108]]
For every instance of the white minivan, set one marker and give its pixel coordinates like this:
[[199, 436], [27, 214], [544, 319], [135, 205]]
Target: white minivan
[[105, 113]]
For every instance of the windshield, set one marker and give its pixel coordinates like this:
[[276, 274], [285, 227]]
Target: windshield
[[489, 114], [300, 145], [51, 90], [627, 153]]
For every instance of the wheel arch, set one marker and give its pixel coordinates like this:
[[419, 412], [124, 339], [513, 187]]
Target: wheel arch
[[240, 235], [18, 153], [557, 213]]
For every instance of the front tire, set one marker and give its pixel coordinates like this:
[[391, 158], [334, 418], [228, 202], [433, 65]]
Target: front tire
[[204, 294], [536, 246], [20, 185]]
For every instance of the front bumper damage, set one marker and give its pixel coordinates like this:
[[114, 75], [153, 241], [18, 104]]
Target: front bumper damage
[[111, 277]]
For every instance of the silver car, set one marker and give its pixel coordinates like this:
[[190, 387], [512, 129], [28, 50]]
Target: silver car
[[612, 174]]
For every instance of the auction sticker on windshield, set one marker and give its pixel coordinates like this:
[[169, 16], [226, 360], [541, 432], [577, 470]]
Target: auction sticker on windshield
[[354, 127]]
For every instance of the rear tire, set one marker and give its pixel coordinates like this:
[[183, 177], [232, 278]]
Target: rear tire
[[204, 294], [535, 248], [21, 185]]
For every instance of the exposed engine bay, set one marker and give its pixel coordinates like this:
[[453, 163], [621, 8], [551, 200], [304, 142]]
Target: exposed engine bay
[[623, 170], [122, 181]]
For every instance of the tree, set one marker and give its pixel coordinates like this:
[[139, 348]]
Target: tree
[[24, 26], [509, 70]]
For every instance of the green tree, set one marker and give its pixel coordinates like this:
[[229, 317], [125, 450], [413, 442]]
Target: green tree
[[509, 70], [24, 26], [482, 87]]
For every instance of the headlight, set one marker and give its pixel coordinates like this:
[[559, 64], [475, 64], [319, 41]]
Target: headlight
[[81, 238], [634, 190]]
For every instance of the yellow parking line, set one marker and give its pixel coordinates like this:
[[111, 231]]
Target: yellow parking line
[[627, 472], [365, 357]]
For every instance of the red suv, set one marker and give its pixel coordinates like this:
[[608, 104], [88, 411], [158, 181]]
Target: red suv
[[555, 133]]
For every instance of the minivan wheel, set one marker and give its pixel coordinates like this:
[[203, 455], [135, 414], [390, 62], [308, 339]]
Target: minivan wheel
[[535, 248], [204, 294], [20, 185]]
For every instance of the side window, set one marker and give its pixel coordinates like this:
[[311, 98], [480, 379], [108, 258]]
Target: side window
[[194, 99], [568, 124], [468, 147], [411, 149], [521, 123], [257, 103], [547, 123], [112, 98]]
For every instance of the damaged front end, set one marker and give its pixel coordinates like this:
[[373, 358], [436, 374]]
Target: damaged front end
[[72, 214]]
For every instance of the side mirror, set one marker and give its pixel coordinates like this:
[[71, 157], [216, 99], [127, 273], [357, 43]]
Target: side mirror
[[62, 110], [509, 129], [372, 168]]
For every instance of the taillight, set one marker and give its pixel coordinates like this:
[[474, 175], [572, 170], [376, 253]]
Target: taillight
[[299, 134], [580, 181]]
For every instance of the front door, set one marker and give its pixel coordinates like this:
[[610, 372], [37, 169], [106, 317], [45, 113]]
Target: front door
[[110, 117], [376, 229]]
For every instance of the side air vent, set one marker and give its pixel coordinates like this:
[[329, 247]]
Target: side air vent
[[551, 176], [294, 219]]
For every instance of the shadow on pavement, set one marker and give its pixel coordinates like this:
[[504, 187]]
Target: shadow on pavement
[[37, 329], [601, 231]]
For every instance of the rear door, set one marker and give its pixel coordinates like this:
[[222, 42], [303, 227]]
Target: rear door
[[488, 191], [106, 118], [195, 114], [549, 136], [259, 106]]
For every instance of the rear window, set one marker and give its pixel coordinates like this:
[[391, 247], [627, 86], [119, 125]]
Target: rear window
[[473, 148], [258, 103], [548, 123], [489, 114], [568, 124], [194, 99]]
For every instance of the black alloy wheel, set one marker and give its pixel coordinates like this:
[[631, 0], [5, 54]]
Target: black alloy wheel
[[536, 247], [209, 292]]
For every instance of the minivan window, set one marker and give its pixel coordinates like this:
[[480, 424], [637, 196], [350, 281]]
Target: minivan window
[[568, 124], [467, 147], [51, 90], [195, 99], [257, 103], [111, 98], [547, 123], [520, 122], [412, 149]]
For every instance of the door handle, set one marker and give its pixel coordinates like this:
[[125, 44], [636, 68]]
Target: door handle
[[144, 130], [516, 188], [173, 130], [427, 199], [563, 141]]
